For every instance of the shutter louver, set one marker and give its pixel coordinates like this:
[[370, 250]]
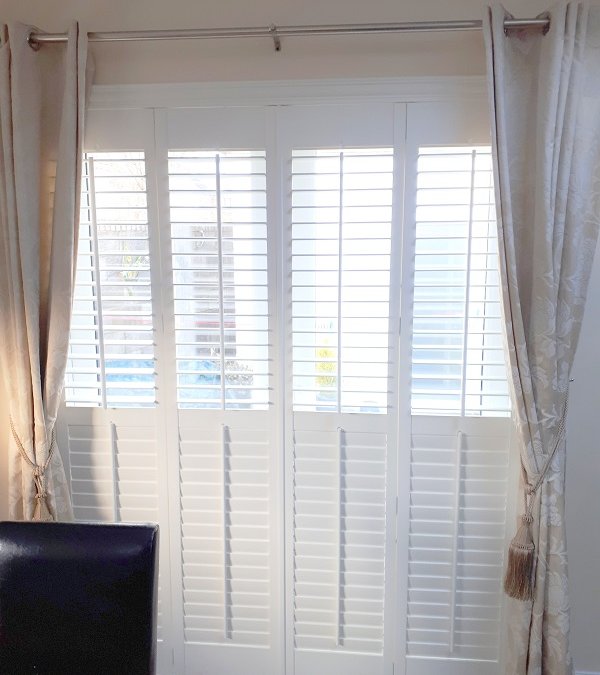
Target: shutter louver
[[111, 347], [113, 469], [219, 243], [340, 264], [458, 363], [226, 525], [456, 541], [339, 537]]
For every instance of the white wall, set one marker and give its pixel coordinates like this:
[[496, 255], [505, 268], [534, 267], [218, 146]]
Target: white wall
[[583, 486], [358, 56], [341, 56]]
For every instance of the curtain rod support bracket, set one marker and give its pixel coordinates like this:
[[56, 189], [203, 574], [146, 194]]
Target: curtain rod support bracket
[[31, 39], [275, 36]]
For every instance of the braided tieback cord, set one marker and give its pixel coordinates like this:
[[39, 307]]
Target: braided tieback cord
[[519, 581], [41, 511]]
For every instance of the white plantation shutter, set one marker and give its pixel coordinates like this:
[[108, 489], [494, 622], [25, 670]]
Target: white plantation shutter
[[339, 540], [460, 430], [341, 213], [330, 482], [456, 541], [112, 458], [341, 234], [457, 351], [114, 476], [226, 424], [226, 537], [112, 428], [219, 243], [111, 350]]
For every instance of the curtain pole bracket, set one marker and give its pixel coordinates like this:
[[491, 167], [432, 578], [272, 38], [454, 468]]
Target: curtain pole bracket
[[32, 41], [275, 36]]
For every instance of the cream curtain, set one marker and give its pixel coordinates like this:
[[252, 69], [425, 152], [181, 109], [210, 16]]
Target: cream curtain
[[545, 112], [41, 119]]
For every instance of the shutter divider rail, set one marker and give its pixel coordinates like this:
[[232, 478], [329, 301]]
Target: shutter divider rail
[[340, 535], [115, 470], [457, 473], [226, 608]]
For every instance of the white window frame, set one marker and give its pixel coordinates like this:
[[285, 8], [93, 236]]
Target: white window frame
[[136, 118]]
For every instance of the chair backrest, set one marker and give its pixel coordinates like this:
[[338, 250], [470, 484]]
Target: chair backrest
[[78, 599]]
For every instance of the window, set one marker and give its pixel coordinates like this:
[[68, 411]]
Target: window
[[111, 349], [457, 357], [219, 243], [341, 232], [286, 349]]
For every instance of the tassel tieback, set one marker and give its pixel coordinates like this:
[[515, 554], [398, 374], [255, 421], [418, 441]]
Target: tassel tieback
[[41, 511], [519, 581]]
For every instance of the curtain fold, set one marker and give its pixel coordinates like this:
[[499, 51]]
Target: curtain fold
[[42, 95], [545, 112]]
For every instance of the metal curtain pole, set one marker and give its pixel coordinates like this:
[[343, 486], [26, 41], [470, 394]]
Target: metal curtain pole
[[36, 38]]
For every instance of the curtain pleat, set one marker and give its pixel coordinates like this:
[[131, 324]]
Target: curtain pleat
[[42, 101], [546, 138]]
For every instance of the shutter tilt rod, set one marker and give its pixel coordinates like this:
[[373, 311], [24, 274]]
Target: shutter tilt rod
[[37, 38]]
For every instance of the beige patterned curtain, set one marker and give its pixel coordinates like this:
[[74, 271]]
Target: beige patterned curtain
[[41, 122], [545, 110]]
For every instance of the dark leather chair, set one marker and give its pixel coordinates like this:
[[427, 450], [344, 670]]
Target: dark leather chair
[[78, 599]]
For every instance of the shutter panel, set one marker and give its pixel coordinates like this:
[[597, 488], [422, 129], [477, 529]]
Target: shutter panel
[[110, 378], [111, 347], [112, 455], [339, 537], [226, 536], [341, 234], [456, 542], [225, 418], [459, 441], [219, 243], [113, 458], [340, 268], [458, 363]]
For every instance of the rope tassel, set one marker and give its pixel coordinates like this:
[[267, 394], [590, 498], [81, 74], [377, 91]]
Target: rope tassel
[[41, 512], [519, 582]]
